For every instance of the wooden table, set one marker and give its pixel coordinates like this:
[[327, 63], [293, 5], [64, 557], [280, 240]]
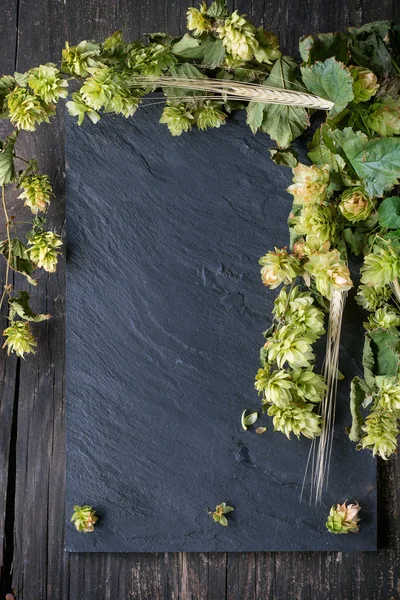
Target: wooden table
[[32, 431]]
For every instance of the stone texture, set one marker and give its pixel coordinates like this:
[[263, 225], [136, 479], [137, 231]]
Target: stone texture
[[165, 311]]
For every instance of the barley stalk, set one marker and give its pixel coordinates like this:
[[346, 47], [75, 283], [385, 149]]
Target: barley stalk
[[236, 90]]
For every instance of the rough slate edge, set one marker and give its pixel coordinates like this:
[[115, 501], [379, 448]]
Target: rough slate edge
[[98, 541]]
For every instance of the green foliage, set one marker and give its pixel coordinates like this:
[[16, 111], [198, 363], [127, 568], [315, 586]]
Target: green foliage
[[357, 397], [389, 213], [7, 171], [19, 306], [323, 46], [330, 80]]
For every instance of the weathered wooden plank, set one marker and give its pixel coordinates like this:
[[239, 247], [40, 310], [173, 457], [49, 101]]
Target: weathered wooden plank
[[41, 569]]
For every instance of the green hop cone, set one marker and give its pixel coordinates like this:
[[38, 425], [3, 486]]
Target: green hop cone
[[209, 115], [289, 345], [151, 60], [279, 267], [309, 386], [372, 297], [384, 117], [381, 431], [355, 205], [84, 518], [36, 192], [317, 223], [219, 513], [47, 83], [106, 89], [309, 184], [275, 386], [296, 308], [197, 20], [365, 83], [177, 119], [343, 519], [77, 59], [77, 107], [26, 111], [380, 267], [239, 38], [330, 272], [384, 317], [389, 394], [297, 418], [43, 250], [19, 339]]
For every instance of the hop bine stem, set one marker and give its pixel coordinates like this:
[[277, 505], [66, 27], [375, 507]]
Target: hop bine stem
[[6, 287]]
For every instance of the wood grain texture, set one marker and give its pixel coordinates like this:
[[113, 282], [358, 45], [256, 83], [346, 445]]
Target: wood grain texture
[[32, 403]]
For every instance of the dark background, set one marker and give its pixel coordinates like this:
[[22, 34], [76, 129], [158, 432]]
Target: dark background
[[32, 406]]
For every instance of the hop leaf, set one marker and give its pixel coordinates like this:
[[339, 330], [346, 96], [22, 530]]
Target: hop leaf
[[26, 111], [84, 518], [19, 339], [36, 191], [47, 83], [343, 519], [43, 250]]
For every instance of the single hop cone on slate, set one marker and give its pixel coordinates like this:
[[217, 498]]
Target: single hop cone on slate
[[343, 519], [84, 518]]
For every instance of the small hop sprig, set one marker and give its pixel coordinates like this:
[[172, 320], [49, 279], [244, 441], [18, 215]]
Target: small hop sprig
[[209, 115], [330, 272], [219, 514], [19, 339], [355, 205], [43, 250], [77, 59], [36, 191], [279, 267], [177, 119], [84, 518], [197, 19], [47, 83], [343, 518]]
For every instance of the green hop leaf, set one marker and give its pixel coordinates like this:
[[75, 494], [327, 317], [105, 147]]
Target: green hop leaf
[[248, 420], [389, 213], [330, 80], [7, 171], [19, 305], [323, 46]]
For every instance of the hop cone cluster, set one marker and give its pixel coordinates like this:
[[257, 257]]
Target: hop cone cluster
[[84, 518], [19, 339], [43, 250], [343, 518]]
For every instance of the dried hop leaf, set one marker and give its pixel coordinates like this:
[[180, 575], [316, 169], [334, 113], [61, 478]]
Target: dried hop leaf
[[279, 267], [365, 83], [309, 184], [19, 339], [84, 518], [343, 519], [43, 250], [36, 192], [355, 205]]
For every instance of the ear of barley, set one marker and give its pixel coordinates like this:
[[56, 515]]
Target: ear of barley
[[321, 447], [236, 90]]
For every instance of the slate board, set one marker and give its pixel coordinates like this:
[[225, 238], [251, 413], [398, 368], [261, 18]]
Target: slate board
[[165, 311]]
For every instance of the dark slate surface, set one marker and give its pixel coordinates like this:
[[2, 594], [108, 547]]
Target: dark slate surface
[[164, 314]]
